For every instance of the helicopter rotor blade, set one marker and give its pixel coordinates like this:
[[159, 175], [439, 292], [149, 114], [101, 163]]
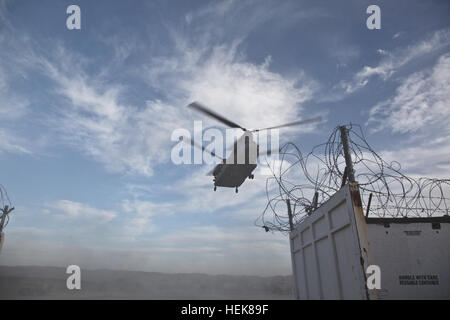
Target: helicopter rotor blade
[[187, 140], [201, 108], [290, 124]]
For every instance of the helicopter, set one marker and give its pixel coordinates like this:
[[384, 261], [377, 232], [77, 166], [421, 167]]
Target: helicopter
[[242, 161]]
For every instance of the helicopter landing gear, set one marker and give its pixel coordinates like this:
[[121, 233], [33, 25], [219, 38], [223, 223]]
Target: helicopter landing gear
[[236, 189]]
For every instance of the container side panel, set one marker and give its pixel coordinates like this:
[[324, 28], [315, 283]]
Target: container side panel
[[320, 227], [337, 218], [414, 259], [312, 277], [306, 235], [298, 267], [348, 267], [326, 256], [301, 281], [329, 281]]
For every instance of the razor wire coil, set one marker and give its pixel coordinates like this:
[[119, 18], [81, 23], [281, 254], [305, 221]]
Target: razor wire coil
[[298, 177]]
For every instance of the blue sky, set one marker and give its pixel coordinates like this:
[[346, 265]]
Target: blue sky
[[86, 118]]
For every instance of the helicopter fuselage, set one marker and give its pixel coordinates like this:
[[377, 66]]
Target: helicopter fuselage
[[239, 165], [232, 175]]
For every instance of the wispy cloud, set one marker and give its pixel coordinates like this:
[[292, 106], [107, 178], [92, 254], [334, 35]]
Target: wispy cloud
[[127, 221], [428, 157], [13, 107], [221, 21], [218, 74], [70, 210], [420, 109], [116, 103], [138, 214], [422, 100], [207, 249], [94, 117], [12, 144], [92, 111], [391, 63], [3, 12]]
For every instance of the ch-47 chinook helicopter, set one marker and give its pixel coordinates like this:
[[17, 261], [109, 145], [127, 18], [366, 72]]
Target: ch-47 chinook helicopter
[[239, 165]]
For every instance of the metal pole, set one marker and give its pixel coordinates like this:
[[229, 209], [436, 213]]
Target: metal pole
[[315, 200], [347, 154], [344, 178], [368, 205], [291, 224]]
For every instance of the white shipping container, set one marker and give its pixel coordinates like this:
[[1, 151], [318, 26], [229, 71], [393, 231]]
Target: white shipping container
[[333, 247]]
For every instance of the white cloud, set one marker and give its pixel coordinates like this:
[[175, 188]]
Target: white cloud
[[138, 213], [125, 138], [248, 93], [12, 144], [4, 11], [96, 116], [419, 108], [218, 21], [70, 210], [135, 217], [192, 194], [382, 52], [219, 77], [426, 158], [344, 53], [12, 108], [421, 101], [391, 63], [208, 65], [211, 249], [216, 9]]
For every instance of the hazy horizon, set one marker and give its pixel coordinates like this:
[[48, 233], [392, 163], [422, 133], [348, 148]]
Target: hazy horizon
[[50, 283]]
